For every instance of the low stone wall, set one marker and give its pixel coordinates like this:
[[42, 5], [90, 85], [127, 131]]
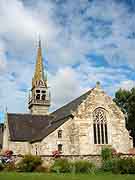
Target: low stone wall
[[48, 160], [96, 159]]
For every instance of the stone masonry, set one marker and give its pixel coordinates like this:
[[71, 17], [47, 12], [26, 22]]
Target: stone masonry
[[77, 132]]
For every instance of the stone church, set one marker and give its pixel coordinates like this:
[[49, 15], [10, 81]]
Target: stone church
[[81, 127]]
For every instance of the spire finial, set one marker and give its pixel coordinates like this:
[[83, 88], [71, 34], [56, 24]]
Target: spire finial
[[39, 42], [98, 85]]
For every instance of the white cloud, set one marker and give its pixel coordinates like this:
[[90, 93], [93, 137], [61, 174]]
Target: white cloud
[[127, 84], [21, 26], [3, 60], [65, 86], [68, 43], [69, 32]]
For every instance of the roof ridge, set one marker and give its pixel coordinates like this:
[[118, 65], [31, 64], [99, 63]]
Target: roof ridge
[[28, 114], [72, 101]]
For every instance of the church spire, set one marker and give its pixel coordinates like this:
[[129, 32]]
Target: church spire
[[39, 100], [39, 69]]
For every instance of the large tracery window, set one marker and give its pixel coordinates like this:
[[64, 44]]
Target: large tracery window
[[100, 126]]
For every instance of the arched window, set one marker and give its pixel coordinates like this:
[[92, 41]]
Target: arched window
[[37, 94], [38, 91], [38, 97], [100, 126], [43, 97], [59, 134], [60, 147]]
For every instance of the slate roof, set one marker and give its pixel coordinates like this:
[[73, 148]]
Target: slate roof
[[23, 127], [28, 127], [66, 110]]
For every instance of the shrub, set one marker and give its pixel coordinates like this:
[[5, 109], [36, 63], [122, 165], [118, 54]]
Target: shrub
[[1, 167], [106, 154], [83, 166], [65, 166], [41, 168], [108, 165], [121, 166], [29, 163], [72, 167], [10, 167], [124, 166], [61, 166]]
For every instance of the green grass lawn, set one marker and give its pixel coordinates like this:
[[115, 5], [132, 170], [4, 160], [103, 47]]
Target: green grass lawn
[[44, 176]]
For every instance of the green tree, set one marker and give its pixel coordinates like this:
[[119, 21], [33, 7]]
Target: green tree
[[125, 99]]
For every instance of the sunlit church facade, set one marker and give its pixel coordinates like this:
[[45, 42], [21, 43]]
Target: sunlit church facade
[[81, 127]]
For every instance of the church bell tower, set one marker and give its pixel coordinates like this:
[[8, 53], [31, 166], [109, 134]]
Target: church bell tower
[[39, 98]]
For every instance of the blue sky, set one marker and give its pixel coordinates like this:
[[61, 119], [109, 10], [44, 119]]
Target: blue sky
[[84, 41]]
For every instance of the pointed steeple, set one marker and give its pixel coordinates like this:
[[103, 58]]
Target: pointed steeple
[[39, 70], [39, 99]]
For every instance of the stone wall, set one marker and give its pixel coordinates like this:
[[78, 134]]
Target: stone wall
[[96, 159], [39, 109], [50, 143], [77, 133], [49, 160], [118, 136]]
